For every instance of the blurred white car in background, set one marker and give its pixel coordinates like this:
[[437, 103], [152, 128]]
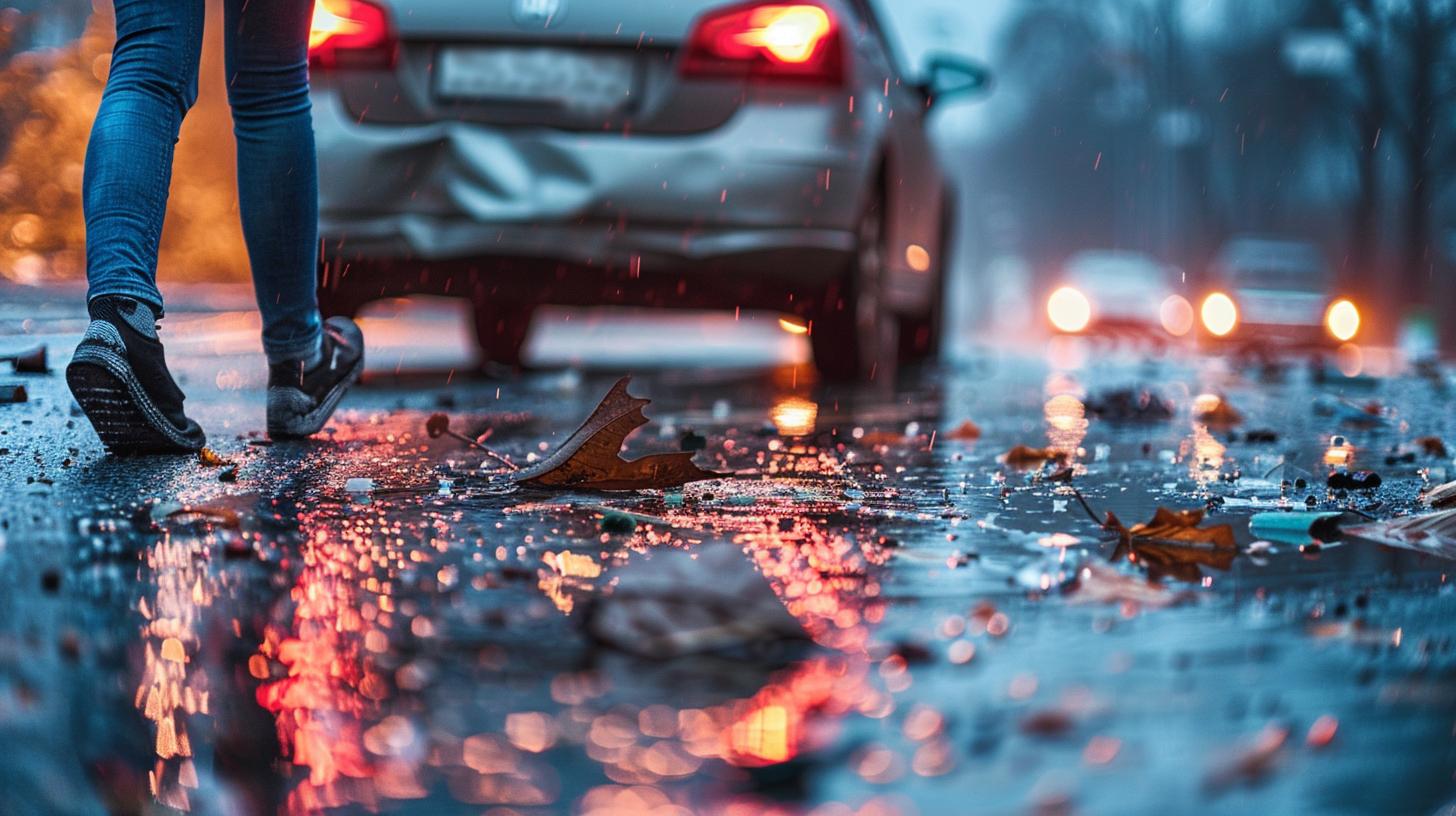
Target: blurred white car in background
[[1109, 292]]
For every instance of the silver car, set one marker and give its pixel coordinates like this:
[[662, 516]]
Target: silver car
[[675, 153]]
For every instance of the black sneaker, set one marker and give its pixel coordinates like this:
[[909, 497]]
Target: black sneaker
[[301, 399], [119, 376]]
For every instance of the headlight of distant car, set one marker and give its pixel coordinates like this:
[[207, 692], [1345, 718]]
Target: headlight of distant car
[[1343, 320], [1176, 315], [1069, 310], [1220, 315]]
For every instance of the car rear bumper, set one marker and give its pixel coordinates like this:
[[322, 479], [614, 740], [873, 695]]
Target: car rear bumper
[[454, 190]]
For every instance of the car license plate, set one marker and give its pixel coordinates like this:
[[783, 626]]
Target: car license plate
[[586, 81]]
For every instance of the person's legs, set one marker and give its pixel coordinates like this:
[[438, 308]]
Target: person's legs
[[267, 82], [153, 83], [118, 373], [311, 363]]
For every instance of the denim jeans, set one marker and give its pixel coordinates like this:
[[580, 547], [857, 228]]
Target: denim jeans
[[153, 83]]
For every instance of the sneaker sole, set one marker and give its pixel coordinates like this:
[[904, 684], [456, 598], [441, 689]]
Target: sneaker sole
[[118, 407], [293, 424]]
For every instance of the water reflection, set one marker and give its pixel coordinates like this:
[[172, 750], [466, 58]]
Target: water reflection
[[174, 688], [321, 679]]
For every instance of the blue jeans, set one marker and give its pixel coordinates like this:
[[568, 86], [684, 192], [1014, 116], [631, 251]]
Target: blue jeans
[[153, 83]]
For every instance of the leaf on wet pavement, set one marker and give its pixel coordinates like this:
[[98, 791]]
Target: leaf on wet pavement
[[1216, 412], [208, 457], [1249, 763], [1430, 533], [1130, 405], [590, 459], [1177, 528], [1173, 544], [1023, 456], [1432, 446], [967, 431]]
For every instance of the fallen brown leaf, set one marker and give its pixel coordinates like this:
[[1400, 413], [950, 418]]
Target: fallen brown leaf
[[1432, 446], [1251, 762], [1023, 456], [590, 459], [966, 431], [1216, 412], [1172, 544], [208, 457]]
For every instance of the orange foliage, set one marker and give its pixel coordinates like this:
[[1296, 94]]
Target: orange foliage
[[48, 100]]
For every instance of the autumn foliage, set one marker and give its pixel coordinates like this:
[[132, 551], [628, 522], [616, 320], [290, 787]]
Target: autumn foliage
[[48, 100]]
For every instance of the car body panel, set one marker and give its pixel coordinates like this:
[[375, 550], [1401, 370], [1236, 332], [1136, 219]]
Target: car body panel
[[692, 170]]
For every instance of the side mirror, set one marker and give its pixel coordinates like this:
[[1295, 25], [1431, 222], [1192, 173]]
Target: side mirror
[[948, 76]]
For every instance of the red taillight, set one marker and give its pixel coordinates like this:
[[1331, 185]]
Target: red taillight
[[772, 40], [351, 32]]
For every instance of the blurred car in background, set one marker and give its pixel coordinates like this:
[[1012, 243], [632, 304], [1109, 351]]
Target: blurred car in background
[[673, 153], [1110, 292], [1270, 293]]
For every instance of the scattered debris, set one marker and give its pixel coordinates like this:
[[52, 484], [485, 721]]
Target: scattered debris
[[1216, 412], [359, 484], [1441, 496], [1298, 527], [208, 457], [675, 602], [438, 425], [1359, 480], [11, 393], [1023, 456], [1432, 446], [30, 361], [1130, 405], [967, 431], [617, 522], [590, 459], [1261, 436], [1252, 762]]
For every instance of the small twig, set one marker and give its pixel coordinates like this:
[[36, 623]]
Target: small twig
[[1085, 506], [483, 449]]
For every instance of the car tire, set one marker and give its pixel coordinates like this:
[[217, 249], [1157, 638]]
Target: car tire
[[921, 336], [855, 336], [500, 331]]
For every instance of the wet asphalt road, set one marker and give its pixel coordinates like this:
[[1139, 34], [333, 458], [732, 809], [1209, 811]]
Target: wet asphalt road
[[173, 641]]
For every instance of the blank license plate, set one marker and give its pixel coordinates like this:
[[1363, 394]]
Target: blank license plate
[[578, 80]]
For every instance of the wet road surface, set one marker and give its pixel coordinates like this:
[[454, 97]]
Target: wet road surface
[[178, 637]]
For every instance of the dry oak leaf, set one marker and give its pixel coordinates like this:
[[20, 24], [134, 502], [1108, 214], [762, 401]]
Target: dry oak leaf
[[1022, 456], [590, 459]]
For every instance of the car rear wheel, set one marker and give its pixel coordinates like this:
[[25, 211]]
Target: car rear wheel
[[500, 330], [921, 336], [855, 336]]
